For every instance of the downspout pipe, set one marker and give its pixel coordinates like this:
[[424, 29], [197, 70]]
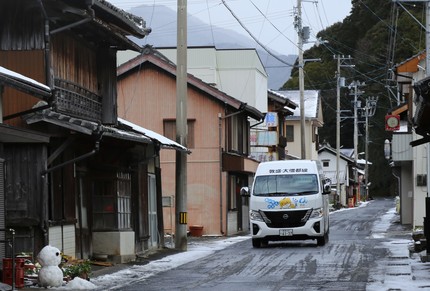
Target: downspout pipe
[[48, 65], [220, 172], [49, 82], [257, 124]]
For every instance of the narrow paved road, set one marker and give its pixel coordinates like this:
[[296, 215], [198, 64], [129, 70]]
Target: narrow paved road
[[350, 261]]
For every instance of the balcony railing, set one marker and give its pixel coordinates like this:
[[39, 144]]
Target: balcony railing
[[77, 101]]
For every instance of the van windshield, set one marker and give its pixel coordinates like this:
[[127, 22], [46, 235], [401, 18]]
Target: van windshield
[[286, 185]]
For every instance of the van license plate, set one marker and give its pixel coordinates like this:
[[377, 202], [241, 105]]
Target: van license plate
[[285, 232]]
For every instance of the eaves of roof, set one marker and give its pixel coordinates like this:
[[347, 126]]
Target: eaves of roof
[[282, 99], [62, 120], [410, 65], [159, 139], [10, 134], [399, 109], [312, 103], [130, 23], [96, 19], [24, 84], [125, 130]]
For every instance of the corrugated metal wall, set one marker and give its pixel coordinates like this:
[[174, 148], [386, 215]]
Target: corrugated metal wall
[[401, 149]]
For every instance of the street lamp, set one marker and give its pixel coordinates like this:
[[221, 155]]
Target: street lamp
[[387, 149]]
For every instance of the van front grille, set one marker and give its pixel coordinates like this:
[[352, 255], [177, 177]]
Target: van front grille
[[289, 218]]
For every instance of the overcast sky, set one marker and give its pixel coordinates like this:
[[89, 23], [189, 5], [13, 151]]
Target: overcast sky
[[270, 21]]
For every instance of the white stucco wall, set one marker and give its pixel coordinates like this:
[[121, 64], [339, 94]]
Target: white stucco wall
[[119, 245], [236, 72]]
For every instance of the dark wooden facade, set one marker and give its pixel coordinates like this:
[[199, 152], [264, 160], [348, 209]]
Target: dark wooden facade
[[65, 177]]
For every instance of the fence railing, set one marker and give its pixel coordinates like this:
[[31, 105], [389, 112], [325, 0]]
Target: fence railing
[[72, 99]]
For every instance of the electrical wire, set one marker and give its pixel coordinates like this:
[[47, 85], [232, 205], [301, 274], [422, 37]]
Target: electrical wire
[[253, 37]]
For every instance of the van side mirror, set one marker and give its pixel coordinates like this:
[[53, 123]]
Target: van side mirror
[[327, 187], [244, 192]]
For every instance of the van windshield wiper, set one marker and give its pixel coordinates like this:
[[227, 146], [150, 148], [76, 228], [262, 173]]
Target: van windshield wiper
[[286, 193], [307, 192], [271, 194]]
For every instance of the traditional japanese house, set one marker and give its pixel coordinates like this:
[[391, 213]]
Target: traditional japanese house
[[75, 176]]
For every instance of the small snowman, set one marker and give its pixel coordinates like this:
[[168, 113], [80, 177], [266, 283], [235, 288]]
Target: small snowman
[[50, 275]]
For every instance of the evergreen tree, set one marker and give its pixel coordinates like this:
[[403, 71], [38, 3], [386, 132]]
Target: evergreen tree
[[366, 36]]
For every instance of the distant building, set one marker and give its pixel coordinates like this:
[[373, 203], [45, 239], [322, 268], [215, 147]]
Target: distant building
[[269, 138], [313, 121]]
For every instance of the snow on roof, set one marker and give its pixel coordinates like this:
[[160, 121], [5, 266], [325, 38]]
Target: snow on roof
[[311, 98], [22, 78], [164, 141], [327, 147], [363, 162], [347, 152]]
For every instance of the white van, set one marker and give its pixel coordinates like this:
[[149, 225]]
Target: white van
[[289, 201]]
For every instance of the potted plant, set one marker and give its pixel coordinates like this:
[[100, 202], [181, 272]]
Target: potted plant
[[78, 268]]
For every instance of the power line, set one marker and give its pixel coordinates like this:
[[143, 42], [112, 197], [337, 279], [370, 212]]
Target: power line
[[253, 37]]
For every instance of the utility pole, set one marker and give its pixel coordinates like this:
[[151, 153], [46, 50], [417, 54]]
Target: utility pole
[[340, 83], [181, 129], [299, 28], [355, 142], [356, 85], [369, 111], [303, 37]]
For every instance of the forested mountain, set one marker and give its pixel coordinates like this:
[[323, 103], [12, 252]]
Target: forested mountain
[[377, 35]]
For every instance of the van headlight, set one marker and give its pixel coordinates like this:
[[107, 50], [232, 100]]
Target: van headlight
[[316, 213], [255, 215]]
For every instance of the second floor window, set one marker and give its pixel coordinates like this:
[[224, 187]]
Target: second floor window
[[289, 133], [237, 134], [170, 131]]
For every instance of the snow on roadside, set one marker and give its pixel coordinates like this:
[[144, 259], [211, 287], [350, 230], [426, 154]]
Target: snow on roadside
[[399, 270], [139, 273]]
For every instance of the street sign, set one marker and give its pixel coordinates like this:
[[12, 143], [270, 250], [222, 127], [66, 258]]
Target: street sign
[[392, 122]]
